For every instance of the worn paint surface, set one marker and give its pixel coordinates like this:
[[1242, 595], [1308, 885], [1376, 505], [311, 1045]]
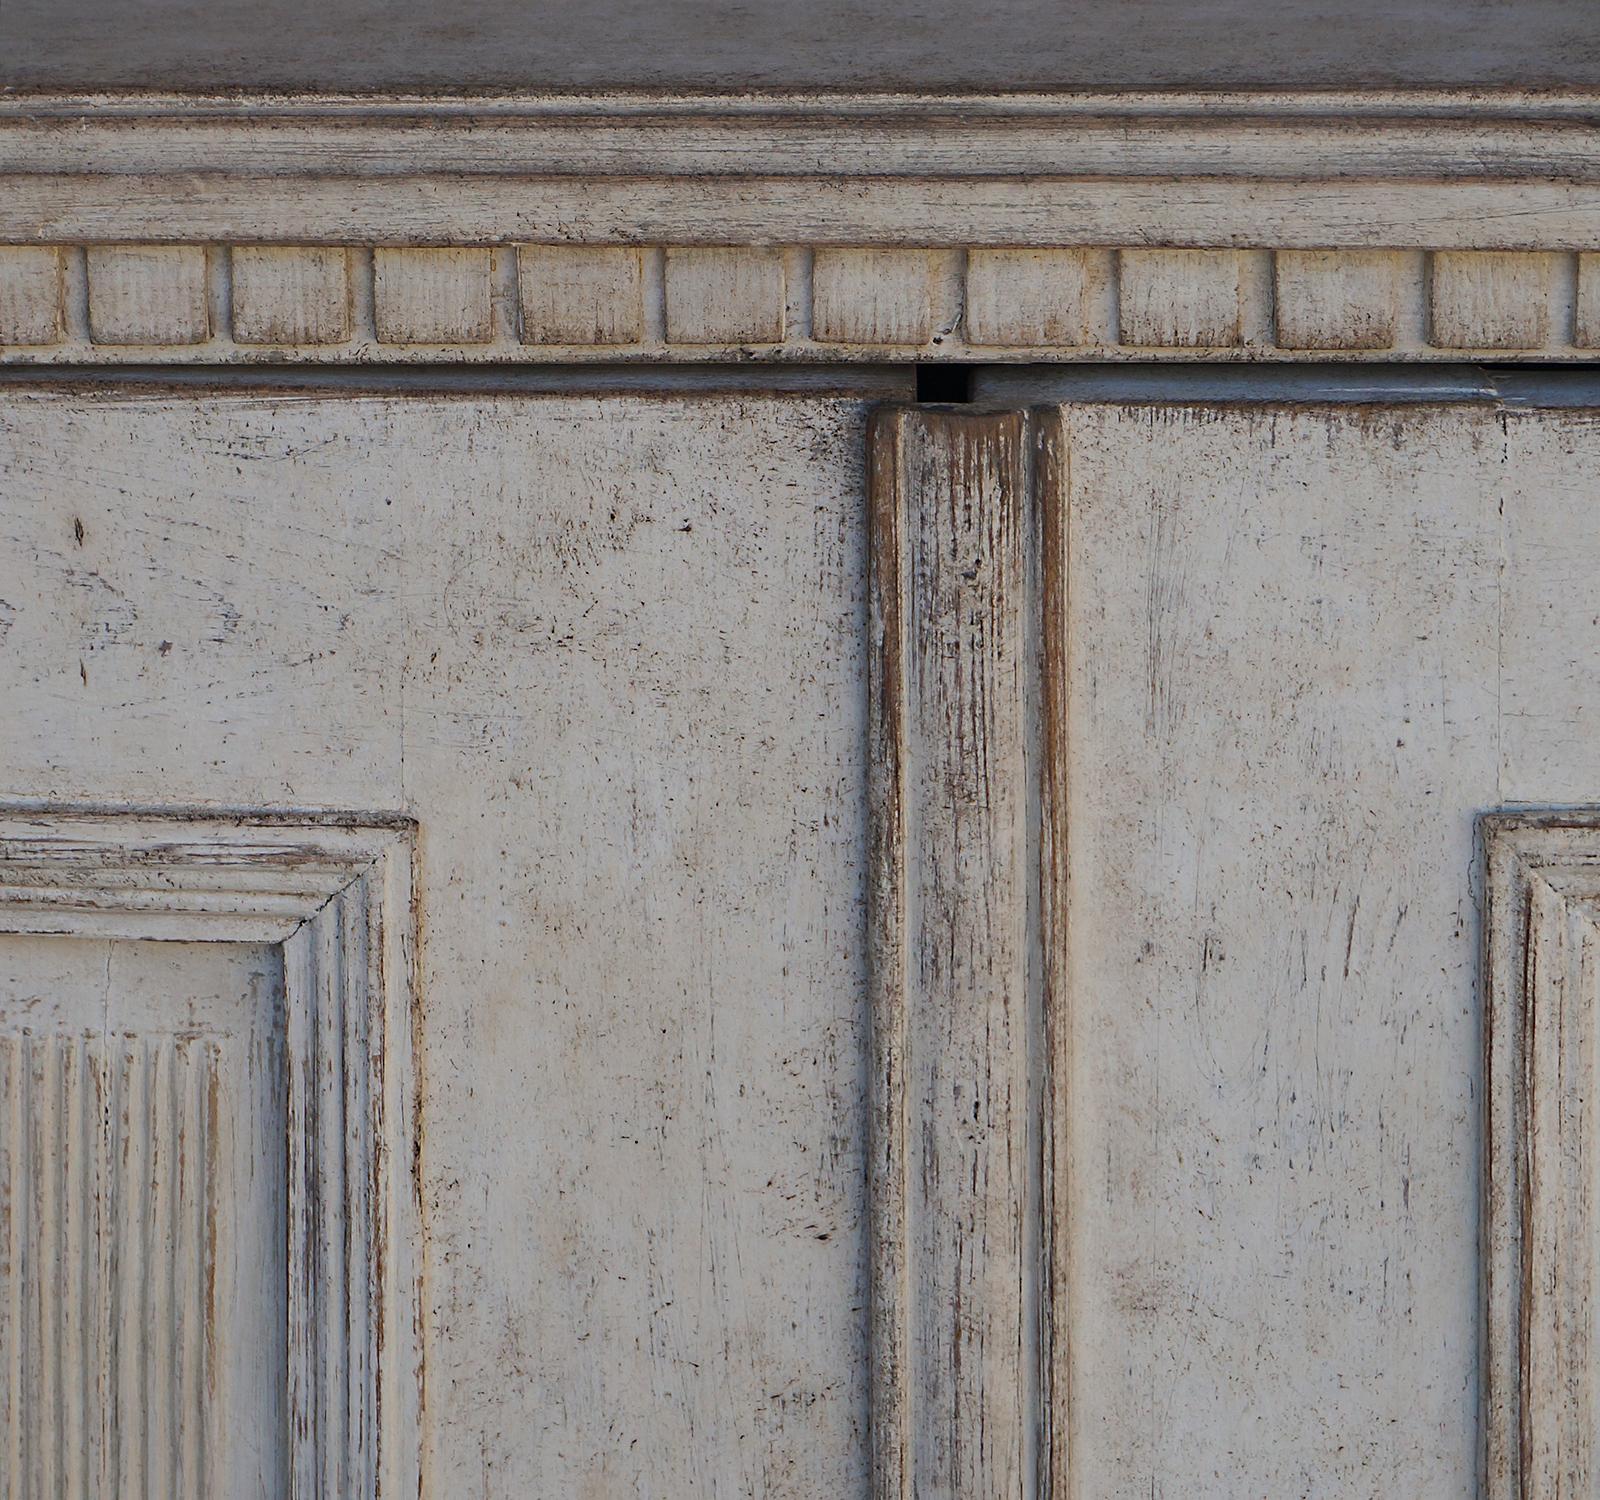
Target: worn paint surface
[[141, 1210], [610, 654], [1243, 705], [1306, 650], [174, 1154], [969, 1350], [1540, 1272]]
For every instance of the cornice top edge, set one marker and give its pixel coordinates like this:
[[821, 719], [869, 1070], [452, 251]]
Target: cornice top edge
[[17, 104]]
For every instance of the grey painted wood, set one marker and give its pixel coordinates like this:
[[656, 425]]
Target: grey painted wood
[[1010, 44]]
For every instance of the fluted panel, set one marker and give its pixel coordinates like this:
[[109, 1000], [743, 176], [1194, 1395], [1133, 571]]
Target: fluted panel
[[107, 1187]]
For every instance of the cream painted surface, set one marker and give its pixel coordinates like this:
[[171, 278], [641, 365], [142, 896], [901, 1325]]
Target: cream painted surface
[[1307, 648], [610, 653], [1185, 719], [142, 1189], [559, 228]]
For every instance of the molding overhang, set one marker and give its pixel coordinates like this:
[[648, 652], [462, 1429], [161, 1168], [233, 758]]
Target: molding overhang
[[555, 228]]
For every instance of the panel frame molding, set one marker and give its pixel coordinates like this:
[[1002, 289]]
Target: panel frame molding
[[1380, 225], [966, 919], [1541, 1267], [336, 892]]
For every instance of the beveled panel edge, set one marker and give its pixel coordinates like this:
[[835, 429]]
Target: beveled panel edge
[[338, 892], [1541, 954]]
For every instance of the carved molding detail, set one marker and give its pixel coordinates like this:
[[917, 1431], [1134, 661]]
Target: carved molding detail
[[338, 230], [965, 914], [574, 303], [337, 895], [1542, 1276]]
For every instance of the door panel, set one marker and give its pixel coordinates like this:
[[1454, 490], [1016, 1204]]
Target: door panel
[[1307, 650], [1185, 723], [609, 654], [142, 1219], [1180, 812]]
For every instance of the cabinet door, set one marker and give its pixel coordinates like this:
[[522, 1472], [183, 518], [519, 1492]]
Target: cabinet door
[[593, 667], [1235, 950], [706, 945]]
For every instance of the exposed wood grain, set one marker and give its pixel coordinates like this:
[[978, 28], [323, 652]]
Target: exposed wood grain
[[1489, 300], [1344, 299], [724, 295], [148, 294], [287, 294], [30, 294], [958, 986], [585, 294], [872, 296], [1183, 298], [432, 296]]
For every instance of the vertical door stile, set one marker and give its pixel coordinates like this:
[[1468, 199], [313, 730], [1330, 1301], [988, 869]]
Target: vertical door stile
[[965, 933], [1053, 532]]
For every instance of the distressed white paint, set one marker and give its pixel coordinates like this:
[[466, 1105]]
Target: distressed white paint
[[1035, 297], [1489, 299], [968, 1348], [30, 294], [147, 294], [610, 654], [581, 294], [1300, 669], [1330, 299], [289, 1163], [287, 294], [873, 296], [432, 295], [1540, 1028], [1182, 298], [840, 227], [1586, 314], [724, 295], [141, 1220], [548, 304]]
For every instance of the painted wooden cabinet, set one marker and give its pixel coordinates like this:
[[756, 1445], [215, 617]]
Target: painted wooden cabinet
[[597, 901]]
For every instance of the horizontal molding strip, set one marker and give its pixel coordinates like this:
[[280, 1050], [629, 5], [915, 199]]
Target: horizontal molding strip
[[145, 303], [1299, 138], [636, 227]]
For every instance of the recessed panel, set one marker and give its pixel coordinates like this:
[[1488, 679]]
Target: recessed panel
[[142, 1219]]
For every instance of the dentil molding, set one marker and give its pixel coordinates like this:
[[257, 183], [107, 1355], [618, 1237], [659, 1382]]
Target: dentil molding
[[1393, 226]]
